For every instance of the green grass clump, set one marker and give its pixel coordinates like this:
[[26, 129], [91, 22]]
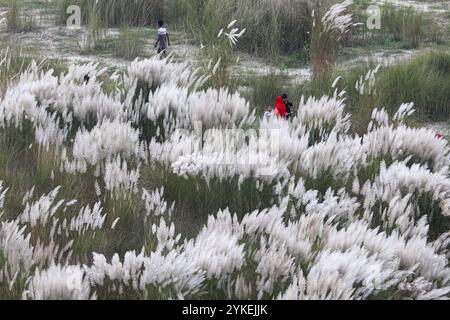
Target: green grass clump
[[18, 20], [424, 80], [129, 44]]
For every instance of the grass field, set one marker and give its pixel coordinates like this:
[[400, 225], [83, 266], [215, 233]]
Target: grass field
[[128, 176]]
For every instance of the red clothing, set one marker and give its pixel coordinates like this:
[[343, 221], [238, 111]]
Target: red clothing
[[280, 108]]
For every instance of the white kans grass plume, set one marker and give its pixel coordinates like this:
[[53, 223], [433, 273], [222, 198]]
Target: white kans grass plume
[[337, 155], [3, 191], [3, 22], [405, 110], [365, 85], [41, 211], [225, 155], [347, 216], [58, 282], [105, 141], [181, 109], [16, 248], [335, 21], [118, 179], [415, 179], [158, 72], [88, 219], [324, 113], [401, 141]]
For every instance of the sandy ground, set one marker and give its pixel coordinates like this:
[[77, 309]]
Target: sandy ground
[[437, 6]]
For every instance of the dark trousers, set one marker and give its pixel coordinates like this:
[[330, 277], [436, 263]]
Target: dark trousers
[[164, 52]]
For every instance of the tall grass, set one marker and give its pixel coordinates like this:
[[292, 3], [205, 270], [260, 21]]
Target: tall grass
[[196, 198], [424, 81], [117, 12], [96, 28], [404, 24], [14, 61], [21, 162], [13, 15], [25, 165], [302, 221], [216, 55], [129, 44], [329, 27], [17, 19], [435, 33], [273, 27]]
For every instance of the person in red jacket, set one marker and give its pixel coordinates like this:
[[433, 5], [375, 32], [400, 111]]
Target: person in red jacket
[[280, 108]]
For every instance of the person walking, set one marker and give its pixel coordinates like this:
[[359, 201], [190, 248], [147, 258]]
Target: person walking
[[162, 40]]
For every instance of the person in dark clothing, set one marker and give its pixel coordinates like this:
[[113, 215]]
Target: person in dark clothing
[[289, 106], [163, 39]]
